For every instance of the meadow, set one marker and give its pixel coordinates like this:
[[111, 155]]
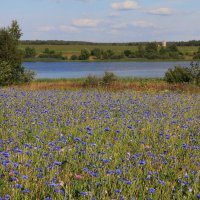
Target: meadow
[[99, 144], [69, 50]]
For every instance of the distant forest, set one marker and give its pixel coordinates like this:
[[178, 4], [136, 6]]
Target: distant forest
[[62, 42]]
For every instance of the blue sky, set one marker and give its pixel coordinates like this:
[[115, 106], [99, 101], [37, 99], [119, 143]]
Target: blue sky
[[104, 20]]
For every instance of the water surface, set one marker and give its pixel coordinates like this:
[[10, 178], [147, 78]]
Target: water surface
[[83, 69]]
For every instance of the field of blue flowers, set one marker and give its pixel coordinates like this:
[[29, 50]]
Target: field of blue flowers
[[91, 145]]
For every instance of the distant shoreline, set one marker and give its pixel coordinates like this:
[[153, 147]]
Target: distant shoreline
[[107, 60]]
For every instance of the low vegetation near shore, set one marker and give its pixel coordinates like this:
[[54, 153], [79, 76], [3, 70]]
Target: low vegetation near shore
[[101, 145]]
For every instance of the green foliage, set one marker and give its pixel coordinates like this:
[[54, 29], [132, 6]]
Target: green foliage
[[177, 75], [97, 52], [197, 54], [108, 78], [194, 72], [108, 54], [47, 53], [127, 53], [85, 54], [12, 70], [74, 57], [94, 81], [29, 52], [5, 73], [184, 74]]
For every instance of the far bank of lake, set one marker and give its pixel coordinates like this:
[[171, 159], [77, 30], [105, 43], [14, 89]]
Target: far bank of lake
[[83, 69]]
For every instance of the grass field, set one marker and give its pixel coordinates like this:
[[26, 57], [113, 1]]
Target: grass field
[[99, 145], [73, 49]]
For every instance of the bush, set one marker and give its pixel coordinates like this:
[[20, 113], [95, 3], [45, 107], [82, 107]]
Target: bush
[[184, 74], [177, 75], [194, 72], [108, 78], [74, 57], [85, 54], [7, 75], [92, 81]]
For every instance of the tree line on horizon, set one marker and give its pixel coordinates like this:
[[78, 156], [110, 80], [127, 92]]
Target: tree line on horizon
[[63, 42]]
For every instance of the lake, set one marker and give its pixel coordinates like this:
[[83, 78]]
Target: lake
[[83, 69]]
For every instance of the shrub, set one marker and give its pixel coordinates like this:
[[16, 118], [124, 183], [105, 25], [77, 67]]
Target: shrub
[[85, 54], [108, 78], [194, 72], [74, 57], [177, 75], [92, 81], [184, 74]]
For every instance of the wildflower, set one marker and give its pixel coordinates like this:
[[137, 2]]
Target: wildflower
[[78, 177], [26, 190], [18, 186], [107, 129], [57, 163], [84, 193], [198, 196], [152, 190], [141, 162]]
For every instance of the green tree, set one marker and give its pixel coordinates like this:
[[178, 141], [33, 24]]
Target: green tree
[[97, 53], [11, 56], [151, 50], [85, 54], [29, 52], [127, 52]]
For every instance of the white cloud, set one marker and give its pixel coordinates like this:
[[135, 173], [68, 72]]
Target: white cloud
[[46, 28], [115, 14], [85, 22], [66, 28], [139, 24], [160, 11], [126, 5]]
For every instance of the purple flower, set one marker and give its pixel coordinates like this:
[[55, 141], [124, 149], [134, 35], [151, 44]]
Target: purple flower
[[142, 162], [26, 190], [57, 163], [18, 186], [84, 193], [107, 129], [198, 196], [152, 190]]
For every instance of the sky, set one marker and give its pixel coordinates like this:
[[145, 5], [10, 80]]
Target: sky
[[104, 20]]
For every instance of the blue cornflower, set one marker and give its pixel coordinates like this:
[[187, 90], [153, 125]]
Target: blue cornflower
[[26, 190], [107, 129], [18, 186], [25, 177], [57, 163], [84, 193], [152, 190], [142, 162], [118, 191]]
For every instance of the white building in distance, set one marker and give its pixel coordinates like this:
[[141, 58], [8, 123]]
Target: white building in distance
[[164, 43]]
